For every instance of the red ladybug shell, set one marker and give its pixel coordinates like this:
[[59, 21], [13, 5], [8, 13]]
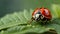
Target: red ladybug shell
[[44, 11]]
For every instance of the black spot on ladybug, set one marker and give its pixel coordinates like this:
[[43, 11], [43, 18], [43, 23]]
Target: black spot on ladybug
[[44, 11]]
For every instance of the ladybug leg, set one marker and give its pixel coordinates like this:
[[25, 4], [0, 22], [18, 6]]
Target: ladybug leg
[[48, 21], [44, 20], [29, 22]]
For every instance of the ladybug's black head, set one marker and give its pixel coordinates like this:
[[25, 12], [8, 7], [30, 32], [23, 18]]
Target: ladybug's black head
[[38, 16]]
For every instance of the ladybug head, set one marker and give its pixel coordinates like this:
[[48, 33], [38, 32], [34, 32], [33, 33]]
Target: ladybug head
[[38, 16]]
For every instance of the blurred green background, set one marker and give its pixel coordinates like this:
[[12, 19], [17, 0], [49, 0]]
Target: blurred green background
[[10, 6]]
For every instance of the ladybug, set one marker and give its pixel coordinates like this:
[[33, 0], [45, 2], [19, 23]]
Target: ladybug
[[41, 14]]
